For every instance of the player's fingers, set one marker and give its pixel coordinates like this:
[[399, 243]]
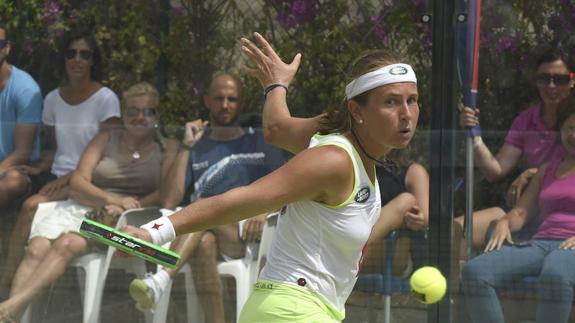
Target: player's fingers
[[250, 55], [265, 46], [256, 53], [296, 61]]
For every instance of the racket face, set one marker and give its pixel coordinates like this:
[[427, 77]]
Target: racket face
[[129, 244]]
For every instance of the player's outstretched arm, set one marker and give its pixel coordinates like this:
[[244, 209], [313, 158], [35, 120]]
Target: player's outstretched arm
[[321, 174], [280, 128]]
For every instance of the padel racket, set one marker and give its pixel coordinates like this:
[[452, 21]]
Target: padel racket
[[129, 244]]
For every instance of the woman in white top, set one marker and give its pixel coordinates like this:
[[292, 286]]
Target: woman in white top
[[329, 188], [73, 114]]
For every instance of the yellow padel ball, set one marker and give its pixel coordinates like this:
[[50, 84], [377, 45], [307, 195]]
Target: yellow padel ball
[[428, 285]]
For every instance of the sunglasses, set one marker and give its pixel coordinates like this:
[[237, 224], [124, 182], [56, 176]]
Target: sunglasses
[[545, 79], [3, 43], [85, 54], [147, 112]]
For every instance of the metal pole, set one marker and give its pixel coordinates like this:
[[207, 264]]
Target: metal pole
[[442, 148]]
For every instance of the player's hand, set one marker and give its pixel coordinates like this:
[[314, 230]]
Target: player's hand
[[253, 228], [134, 232], [519, 185], [568, 244], [415, 219], [194, 130], [269, 67], [469, 117], [501, 233]]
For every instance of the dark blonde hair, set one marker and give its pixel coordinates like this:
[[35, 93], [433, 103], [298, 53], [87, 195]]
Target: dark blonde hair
[[141, 89], [338, 120]]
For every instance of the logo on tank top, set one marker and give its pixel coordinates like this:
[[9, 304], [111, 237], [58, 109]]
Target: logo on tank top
[[362, 195]]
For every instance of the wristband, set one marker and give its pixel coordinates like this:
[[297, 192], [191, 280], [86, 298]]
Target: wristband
[[270, 87], [161, 230], [474, 131]]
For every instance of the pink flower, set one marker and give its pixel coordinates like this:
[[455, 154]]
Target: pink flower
[[506, 44]]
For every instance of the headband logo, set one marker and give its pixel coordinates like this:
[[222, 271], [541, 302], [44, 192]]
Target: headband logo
[[398, 70]]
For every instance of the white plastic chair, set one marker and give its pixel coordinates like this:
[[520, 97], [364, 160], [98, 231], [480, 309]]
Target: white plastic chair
[[134, 265], [244, 271], [95, 266]]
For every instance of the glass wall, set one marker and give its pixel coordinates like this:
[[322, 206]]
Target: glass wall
[[82, 136]]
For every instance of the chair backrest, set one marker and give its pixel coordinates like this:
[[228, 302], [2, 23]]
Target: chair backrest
[[266, 240], [137, 217]]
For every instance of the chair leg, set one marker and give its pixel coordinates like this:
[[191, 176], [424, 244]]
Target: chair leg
[[161, 312], [242, 294], [387, 308], [27, 316], [93, 290], [194, 310]]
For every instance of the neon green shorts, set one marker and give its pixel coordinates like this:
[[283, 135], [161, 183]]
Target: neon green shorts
[[276, 302]]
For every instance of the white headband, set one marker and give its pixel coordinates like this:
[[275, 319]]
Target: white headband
[[394, 73]]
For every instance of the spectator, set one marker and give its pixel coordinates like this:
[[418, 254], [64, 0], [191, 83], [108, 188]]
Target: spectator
[[73, 114], [548, 254], [531, 136], [329, 188], [212, 161], [404, 188], [20, 115], [119, 170]]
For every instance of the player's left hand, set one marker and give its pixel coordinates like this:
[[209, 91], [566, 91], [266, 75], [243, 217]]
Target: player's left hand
[[269, 67], [253, 228]]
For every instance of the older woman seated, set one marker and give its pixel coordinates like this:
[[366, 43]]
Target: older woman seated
[[119, 170]]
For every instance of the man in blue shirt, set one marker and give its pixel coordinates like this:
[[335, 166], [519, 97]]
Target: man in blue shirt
[[211, 161], [20, 117]]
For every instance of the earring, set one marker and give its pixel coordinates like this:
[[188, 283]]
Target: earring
[[360, 121]]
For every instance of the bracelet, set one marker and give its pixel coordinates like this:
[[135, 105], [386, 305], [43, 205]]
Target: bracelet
[[270, 87], [161, 230]]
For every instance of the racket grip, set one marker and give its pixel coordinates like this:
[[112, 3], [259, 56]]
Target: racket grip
[[129, 244]]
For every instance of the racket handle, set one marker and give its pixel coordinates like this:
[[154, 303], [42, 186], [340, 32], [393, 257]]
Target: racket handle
[[129, 244]]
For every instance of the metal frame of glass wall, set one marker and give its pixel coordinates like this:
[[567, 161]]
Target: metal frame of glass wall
[[442, 148]]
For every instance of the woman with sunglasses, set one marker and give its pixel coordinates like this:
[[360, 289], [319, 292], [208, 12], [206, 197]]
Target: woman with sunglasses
[[531, 137], [73, 114], [549, 254], [120, 169]]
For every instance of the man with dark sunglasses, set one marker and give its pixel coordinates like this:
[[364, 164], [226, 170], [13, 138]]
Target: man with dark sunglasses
[[20, 117]]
